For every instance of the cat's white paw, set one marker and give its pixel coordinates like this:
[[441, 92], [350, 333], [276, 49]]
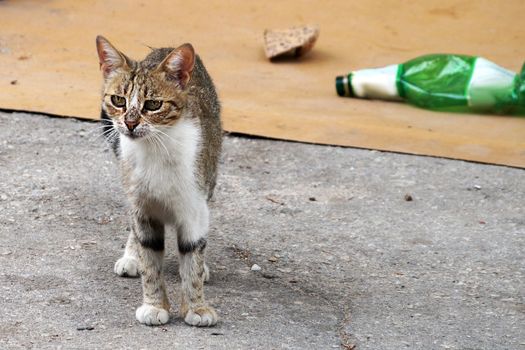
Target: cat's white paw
[[151, 315], [204, 316], [127, 266]]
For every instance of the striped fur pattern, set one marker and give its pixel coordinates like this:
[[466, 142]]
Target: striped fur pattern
[[162, 118]]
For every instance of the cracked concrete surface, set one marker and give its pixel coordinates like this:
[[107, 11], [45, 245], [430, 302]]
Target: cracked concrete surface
[[346, 260]]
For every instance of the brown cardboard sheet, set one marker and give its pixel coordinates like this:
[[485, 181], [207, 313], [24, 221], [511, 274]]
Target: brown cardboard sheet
[[48, 63]]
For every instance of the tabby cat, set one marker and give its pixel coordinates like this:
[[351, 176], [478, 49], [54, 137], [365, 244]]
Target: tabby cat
[[162, 118]]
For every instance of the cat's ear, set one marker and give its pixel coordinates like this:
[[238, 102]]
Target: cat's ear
[[109, 57], [178, 65]]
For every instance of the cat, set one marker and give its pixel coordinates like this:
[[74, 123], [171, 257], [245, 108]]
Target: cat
[[162, 119]]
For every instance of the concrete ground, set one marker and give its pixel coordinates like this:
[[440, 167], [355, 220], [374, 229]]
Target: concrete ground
[[348, 260]]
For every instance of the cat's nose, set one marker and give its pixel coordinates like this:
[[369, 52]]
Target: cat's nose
[[131, 124]]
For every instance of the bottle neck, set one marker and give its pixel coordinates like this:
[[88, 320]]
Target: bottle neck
[[380, 83]]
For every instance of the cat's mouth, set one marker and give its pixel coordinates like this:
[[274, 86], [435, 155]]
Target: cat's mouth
[[134, 134]]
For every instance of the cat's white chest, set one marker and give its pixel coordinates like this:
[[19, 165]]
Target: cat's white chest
[[163, 168]]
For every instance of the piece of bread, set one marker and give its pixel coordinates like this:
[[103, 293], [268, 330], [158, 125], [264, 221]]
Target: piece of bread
[[295, 41]]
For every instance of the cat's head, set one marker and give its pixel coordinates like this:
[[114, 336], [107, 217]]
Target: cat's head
[[141, 97]]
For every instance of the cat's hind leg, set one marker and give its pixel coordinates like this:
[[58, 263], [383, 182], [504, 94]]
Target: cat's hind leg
[[206, 273], [128, 264]]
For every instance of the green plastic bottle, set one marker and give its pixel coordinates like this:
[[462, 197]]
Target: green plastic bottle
[[455, 83]]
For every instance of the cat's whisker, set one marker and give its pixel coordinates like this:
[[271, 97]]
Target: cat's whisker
[[151, 140], [105, 126], [112, 136], [177, 143], [156, 137], [108, 134], [105, 135], [109, 131], [157, 146], [97, 132], [157, 130], [160, 135]]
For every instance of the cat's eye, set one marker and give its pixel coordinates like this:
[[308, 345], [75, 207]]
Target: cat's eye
[[152, 105], [118, 101]]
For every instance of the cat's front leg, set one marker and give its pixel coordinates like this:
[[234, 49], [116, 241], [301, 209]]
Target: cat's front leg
[[150, 237], [194, 309], [193, 272]]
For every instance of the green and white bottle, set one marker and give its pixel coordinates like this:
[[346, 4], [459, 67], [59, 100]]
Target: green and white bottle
[[456, 83]]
